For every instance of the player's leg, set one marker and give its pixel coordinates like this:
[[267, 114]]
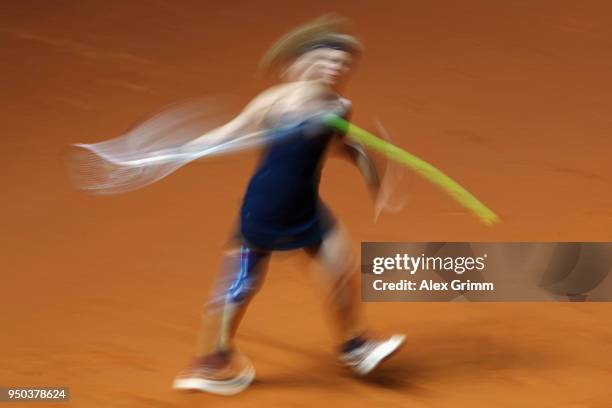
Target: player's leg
[[359, 351], [219, 367], [242, 273], [340, 280]]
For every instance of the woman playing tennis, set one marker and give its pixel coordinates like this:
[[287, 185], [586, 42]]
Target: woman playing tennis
[[282, 210]]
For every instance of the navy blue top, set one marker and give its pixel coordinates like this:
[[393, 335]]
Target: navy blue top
[[281, 209]]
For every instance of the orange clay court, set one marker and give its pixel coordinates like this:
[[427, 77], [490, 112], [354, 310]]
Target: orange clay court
[[103, 294]]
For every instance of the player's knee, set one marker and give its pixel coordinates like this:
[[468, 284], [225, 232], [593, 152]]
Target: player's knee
[[337, 256], [244, 290], [249, 277]]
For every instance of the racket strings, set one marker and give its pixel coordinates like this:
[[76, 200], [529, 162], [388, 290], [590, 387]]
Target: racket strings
[[93, 174]]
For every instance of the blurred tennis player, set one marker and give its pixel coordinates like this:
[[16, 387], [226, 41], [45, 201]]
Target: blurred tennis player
[[282, 210]]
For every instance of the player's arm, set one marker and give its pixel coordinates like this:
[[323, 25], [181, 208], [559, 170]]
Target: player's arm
[[381, 188], [357, 155], [249, 120]]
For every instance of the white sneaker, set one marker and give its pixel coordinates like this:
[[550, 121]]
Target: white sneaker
[[214, 375], [368, 356]]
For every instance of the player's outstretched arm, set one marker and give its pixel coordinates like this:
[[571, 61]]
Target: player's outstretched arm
[[250, 119]]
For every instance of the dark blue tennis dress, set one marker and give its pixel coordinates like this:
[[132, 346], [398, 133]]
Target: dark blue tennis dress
[[281, 208]]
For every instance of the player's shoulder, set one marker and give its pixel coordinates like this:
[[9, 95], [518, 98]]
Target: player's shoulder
[[286, 93], [347, 105]]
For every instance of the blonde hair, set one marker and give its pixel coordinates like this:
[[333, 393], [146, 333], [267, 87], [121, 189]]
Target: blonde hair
[[325, 30]]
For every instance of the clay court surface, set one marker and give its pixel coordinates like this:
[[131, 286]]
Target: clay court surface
[[103, 295]]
